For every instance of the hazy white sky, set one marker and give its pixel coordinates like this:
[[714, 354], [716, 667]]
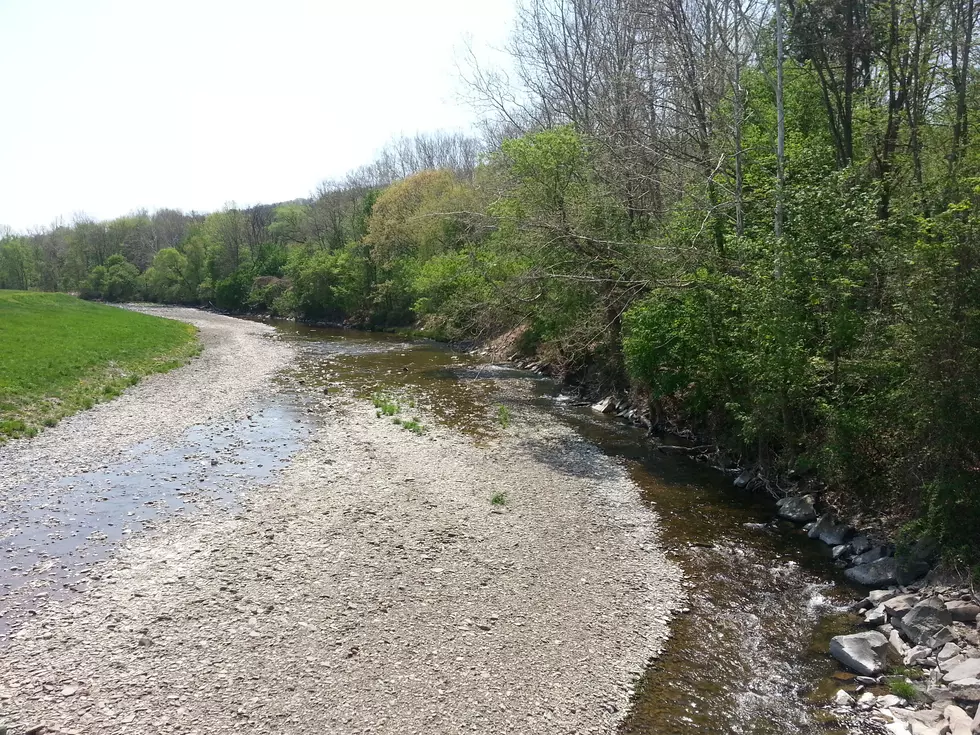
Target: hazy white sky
[[108, 107]]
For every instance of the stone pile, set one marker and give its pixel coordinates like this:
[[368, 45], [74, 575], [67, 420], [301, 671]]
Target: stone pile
[[931, 633]]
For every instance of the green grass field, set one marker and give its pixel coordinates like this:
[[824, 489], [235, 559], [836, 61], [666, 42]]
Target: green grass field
[[59, 355]]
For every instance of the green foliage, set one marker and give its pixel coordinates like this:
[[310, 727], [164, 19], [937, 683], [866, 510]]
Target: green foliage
[[503, 416], [904, 689], [385, 405], [414, 426], [498, 498], [59, 355]]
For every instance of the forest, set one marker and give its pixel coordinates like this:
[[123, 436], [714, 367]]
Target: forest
[[761, 218]]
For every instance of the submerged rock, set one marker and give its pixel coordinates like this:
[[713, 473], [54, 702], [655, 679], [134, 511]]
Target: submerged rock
[[861, 652]]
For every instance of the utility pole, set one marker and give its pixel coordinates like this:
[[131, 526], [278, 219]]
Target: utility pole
[[780, 122]]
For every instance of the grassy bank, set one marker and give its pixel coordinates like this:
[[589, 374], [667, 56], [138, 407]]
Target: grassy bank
[[59, 355]]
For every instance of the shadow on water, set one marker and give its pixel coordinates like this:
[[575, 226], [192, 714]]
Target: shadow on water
[[744, 658]]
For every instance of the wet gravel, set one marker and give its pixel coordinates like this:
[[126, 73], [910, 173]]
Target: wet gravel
[[371, 588]]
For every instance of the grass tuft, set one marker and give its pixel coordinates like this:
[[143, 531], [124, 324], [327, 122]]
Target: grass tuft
[[904, 689], [503, 415], [498, 498]]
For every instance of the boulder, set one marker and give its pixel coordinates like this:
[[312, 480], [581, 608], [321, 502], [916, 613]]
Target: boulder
[[843, 699], [948, 651], [873, 554], [916, 654], [928, 717], [958, 720], [918, 560], [874, 574], [969, 669], [976, 722], [963, 612], [876, 597], [941, 637], [863, 653], [797, 509], [744, 478], [877, 616], [897, 644], [860, 544], [925, 620], [898, 606], [841, 552], [830, 532], [606, 405], [919, 729], [966, 690], [951, 663]]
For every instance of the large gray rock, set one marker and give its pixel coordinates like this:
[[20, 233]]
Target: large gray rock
[[925, 620], [876, 574], [797, 509], [876, 597], [860, 544], [918, 560], [963, 612], [966, 690], [969, 669], [898, 606], [874, 554], [958, 720], [863, 653], [830, 532]]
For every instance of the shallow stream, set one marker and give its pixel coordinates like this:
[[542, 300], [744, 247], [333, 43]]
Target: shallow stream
[[745, 658], [751, 652]]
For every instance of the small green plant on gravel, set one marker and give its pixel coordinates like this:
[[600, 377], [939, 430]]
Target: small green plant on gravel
[[503, 415], [498, 498], [397, 421], [385, 405], [904, 689], [414, 426]]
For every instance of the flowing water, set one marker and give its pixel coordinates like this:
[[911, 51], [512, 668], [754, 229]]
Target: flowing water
[[746, 657], [750, 655]]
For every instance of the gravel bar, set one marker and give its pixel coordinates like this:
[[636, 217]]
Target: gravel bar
[[373, 588]]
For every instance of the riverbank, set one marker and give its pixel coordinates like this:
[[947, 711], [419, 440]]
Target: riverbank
[[373, 586]]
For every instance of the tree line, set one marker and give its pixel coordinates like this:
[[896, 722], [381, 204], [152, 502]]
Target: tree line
[[760, 216]]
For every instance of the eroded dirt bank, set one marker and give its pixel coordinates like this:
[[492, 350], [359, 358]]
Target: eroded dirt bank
[[372, 588]]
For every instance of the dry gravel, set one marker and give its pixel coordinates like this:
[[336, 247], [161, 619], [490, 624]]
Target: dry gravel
[[372, 589]]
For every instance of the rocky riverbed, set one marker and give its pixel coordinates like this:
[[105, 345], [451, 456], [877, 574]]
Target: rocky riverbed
[[371, 586], [916, 664]]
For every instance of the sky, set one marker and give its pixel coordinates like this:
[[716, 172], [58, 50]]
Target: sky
[[109, 107]]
